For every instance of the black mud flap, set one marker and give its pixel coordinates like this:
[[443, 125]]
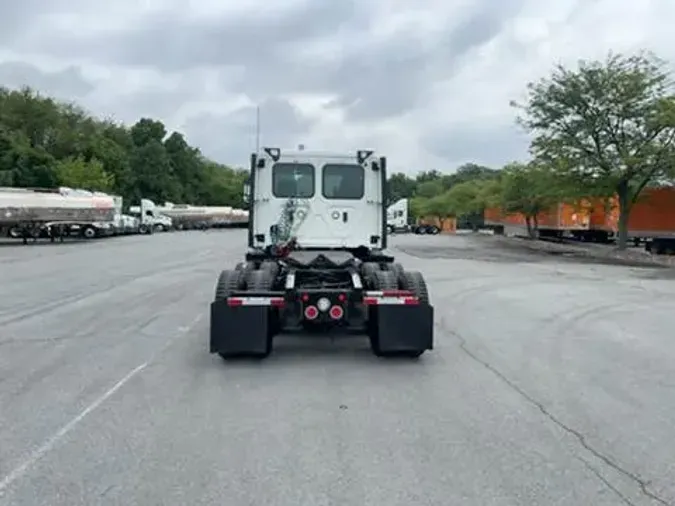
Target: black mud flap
[[240, 330], [402, 329]]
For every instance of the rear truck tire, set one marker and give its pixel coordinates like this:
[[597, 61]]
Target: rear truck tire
[[89, 232], [368, 272], [391, 229], [414, 281], [421, 230], [433, 230], [229, 336], [401, 331], [259, 281], [272, 269], [396, 268], [228, 282]]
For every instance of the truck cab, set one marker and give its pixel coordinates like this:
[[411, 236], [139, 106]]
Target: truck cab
[[321, 200], [150, 219], [397, 216]]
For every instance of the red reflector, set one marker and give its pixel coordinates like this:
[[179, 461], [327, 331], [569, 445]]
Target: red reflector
[[278, 302], [396, 293], [305, 297], [311, 312], [370, 301], [336, 312], [234, 302], [411, 301], [342, 297]]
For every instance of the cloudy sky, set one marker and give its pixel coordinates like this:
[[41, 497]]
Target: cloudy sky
[[427, 82]]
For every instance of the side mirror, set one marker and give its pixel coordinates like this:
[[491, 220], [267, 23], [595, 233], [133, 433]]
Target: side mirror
[[260, 164], [375, 166]]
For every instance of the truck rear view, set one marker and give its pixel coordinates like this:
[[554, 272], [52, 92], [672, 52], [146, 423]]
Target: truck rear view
[[316, 261]]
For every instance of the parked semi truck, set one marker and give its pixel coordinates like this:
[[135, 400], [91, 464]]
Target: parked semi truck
[[150, 219], [399, 220], [316, 262]]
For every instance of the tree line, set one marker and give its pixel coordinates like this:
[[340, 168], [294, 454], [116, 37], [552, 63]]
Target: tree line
[[45, 143], [601, 132]]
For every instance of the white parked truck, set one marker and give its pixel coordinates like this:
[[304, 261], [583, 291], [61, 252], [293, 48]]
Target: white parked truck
[[55, 213], [317, 236], [397, 217], [150, 219]]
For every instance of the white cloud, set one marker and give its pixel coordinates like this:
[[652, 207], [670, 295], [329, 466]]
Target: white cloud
[[427, 82]]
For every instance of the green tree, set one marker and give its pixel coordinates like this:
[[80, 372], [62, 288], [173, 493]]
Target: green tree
[[528, 189], [87, 175], [608, 126], [439, 207], [465, 198], [429, 189], [399, 187]]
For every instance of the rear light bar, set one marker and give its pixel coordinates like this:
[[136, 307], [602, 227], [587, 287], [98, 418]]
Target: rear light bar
[[390, 297], [256, 301]]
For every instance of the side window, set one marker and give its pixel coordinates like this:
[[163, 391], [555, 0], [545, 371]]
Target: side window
[[293, 180], [343, 181]]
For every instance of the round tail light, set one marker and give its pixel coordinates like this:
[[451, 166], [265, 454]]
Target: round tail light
[[311, 312], [336, 312]]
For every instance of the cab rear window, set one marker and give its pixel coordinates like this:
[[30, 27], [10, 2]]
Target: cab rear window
[[342, 181], [293, 180]]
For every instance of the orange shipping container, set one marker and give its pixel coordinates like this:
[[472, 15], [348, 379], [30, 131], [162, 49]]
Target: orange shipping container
[[560, 217], [653, 215]]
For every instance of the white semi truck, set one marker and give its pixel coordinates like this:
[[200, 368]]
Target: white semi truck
[[397, 217], [150, 219], [316, 260]]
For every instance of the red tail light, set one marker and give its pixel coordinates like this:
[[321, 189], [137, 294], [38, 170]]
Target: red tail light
[[311, 312], [336, 312]]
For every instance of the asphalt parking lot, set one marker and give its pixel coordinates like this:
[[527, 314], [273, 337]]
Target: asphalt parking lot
[[552, 383]]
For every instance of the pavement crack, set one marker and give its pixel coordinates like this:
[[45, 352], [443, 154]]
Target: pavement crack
[[606, 482], [642, 484]]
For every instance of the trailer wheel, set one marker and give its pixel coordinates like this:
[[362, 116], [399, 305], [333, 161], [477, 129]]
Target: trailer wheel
[[433, 230], [414, 281], [89, 232]]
